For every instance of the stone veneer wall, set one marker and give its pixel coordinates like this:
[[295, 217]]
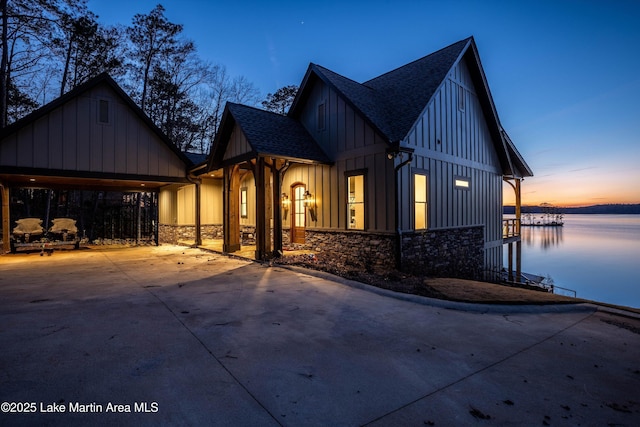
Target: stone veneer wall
[[452, 252], [371, 252], [175, 233]]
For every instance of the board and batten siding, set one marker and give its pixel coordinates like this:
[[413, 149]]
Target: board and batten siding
[[354, 145], [77, 141], [177, 203], [238, 144], [450, 143]]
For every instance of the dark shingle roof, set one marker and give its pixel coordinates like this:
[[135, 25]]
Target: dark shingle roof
[[407, 90], [276, 135], [196, 158], [394, 101]]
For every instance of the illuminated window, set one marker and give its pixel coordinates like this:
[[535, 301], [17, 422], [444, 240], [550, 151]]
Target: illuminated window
[[355, 202], [461, 98], [243, 202], [420, 201], [462, 183]]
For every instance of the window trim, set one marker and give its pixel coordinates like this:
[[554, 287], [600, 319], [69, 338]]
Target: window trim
[[347, 175], [425, 173], [244, 211], [462, 182], [461, 98], [321, 116], [103, 101]]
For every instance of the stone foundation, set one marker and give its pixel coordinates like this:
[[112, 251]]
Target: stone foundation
[[452, 252], [172, 234], [370, 252]]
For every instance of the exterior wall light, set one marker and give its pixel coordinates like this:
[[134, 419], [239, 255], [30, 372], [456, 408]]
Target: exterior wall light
[[285, 206], [310, 203]]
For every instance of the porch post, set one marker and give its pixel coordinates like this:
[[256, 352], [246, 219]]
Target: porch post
[[263, 211], [230, 201], [278, 175], [518, 225], [277, 211], [6, 220], [198, 202]]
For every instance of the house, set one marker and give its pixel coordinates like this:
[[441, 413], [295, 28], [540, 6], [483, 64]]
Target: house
[[402, 171]]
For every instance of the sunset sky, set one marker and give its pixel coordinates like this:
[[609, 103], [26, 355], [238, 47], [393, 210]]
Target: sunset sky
[[564, 75]]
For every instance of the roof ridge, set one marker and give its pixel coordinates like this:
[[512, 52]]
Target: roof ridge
[[418, 60]]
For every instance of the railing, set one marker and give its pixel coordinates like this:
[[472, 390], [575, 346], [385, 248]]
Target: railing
[[510, 228]]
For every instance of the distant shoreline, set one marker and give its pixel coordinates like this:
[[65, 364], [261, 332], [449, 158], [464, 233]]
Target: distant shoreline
[[611, 209]]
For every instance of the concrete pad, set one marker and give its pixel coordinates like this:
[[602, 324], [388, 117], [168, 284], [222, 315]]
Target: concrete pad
[[205, 339]]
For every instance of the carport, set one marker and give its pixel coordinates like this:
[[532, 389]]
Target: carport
[[92, 138]]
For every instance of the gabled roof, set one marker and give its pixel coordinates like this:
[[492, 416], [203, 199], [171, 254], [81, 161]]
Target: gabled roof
[[407, 90], [393, 102], [519, 168], [268, 134], [103, 78]]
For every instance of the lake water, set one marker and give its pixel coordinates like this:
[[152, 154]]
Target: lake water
[[598, 256]]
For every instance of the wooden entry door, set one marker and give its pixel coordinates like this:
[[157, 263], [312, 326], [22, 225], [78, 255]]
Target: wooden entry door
[[299, 214]]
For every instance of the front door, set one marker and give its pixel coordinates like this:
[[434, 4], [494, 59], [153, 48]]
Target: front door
[[299, 214]]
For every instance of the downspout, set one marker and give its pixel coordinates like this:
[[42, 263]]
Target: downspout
[[396, 152], [197, 181]]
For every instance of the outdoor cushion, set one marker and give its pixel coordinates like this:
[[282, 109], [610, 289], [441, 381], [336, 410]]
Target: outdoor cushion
[[28, 226], [62, 225]]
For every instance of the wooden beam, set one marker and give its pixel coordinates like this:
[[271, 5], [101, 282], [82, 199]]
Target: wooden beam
[[6, 219], [231, 213]]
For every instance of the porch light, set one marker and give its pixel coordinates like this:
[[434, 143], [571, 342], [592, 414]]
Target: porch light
[[310, 203], [308, 198], [285, 205]]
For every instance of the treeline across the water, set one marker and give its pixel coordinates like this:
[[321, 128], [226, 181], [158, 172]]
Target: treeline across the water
[[614, 209]]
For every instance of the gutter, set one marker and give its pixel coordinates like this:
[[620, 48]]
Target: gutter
[[396, 151]]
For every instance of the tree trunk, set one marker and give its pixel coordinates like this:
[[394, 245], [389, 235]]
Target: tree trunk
[[4, 75]]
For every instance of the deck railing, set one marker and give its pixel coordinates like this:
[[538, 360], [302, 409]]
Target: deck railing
[[510, 228]]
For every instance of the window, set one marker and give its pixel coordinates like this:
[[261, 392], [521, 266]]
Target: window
[[461, 98], [243, 202], [420, 201], [355, 202], [103, 111], [462, 183], [321, 116]]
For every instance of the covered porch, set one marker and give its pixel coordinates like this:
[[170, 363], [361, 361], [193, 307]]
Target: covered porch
[[252, 153]]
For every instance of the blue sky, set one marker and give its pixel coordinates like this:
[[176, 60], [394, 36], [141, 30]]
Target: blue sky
[[564, 75]]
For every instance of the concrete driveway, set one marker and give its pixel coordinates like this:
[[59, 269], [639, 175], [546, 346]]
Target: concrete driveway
[[183, 337]]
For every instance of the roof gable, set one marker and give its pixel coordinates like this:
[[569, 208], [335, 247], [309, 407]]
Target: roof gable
[[268, 135], [393, 102], [103, 78], [72, 139], [407, 90]]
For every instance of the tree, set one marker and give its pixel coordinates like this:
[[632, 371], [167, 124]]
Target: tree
[[220, 88], [153, 38], [280, 101], [87, 49]]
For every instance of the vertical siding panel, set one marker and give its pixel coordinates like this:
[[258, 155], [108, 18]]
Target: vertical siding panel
[[343, 141], [70, 149], [56, 147], [120, 143], [28, 140], [108, 147]]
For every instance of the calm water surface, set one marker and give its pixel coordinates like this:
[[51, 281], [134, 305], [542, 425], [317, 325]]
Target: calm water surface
[[598, 256]]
